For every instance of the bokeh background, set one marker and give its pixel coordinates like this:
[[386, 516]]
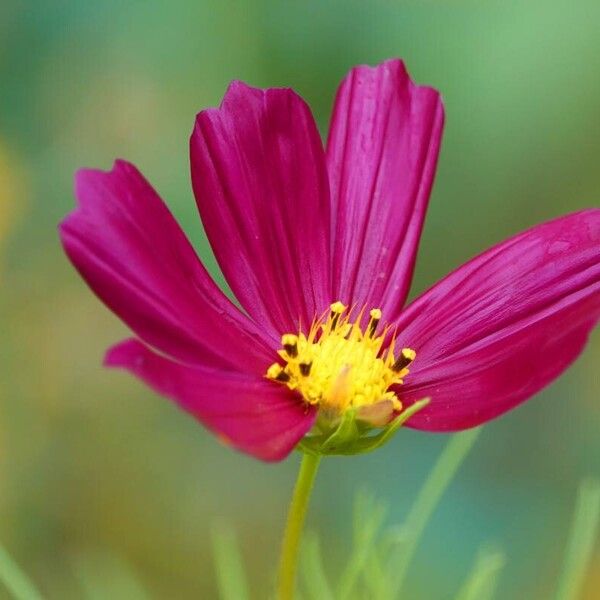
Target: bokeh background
[[100, 479]]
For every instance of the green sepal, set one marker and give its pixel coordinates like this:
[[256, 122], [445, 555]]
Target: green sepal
[[352, 437], [345, 433]]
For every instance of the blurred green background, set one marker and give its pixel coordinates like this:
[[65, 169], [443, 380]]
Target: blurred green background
[[98, 475]]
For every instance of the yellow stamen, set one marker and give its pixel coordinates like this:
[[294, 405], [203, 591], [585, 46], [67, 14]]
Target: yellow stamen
[[289, 341], [339, 365], [338, 307], [375, 315], [406, 357], [277, 372]]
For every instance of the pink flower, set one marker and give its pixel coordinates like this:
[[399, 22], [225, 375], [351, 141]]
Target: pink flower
[[302, 232]]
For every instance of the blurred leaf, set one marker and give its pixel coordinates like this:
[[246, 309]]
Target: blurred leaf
[[482, 580], [375, 577], [368, 518], [229, 565], [313, 571], [426, 502], [15, 581], [581, 540], [104, 575]]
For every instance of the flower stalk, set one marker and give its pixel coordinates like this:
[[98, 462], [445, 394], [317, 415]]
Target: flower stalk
[[288, 563]]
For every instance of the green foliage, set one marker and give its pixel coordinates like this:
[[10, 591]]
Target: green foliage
[[369, 516], [15, 581], [480, 583], [378, 561], [106, 575], [313, 573], [426, 502], [380, 557], [584, 530], [229, 565]]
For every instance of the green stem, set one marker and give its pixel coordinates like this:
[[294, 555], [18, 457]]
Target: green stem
[[293, 528], [586, 523]]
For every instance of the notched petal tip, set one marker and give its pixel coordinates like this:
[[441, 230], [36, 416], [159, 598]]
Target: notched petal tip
[[88, 179], [85, 174], [382, 152], [260, 181], [396, 65], [240, 95], [396, 68], [84, 180], [126, 244]]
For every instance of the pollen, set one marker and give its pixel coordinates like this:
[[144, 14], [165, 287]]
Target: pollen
[[342, 363]]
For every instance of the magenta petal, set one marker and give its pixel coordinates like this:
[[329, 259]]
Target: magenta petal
[[254, 415], [382, 153], [504, 325], [130, 250], [259, 177]]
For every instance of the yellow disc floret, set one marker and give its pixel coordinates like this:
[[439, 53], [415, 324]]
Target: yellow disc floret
[[339, 364]]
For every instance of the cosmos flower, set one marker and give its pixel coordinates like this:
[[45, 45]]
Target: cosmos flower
[[318, 245]]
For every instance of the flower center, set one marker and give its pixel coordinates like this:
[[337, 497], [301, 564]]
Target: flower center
[[340, 365]]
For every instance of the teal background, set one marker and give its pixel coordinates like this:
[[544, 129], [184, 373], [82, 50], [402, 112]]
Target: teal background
[[98, 473]]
